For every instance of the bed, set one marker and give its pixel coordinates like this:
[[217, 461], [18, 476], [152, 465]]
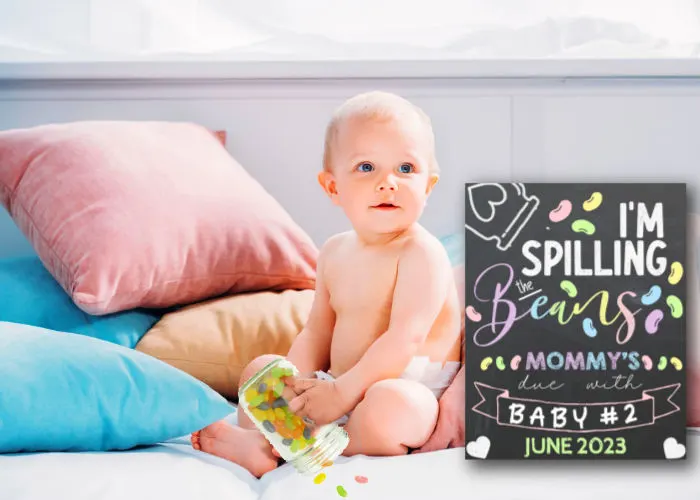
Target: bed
[[174, 470]]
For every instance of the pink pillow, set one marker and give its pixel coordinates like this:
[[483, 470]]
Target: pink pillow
[[147, 214]]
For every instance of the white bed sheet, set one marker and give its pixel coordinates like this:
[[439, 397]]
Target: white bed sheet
[[174, 471]]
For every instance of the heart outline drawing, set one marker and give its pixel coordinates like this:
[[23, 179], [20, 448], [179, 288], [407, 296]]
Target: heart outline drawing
[[491, 203], [480, 447], [673, 449]]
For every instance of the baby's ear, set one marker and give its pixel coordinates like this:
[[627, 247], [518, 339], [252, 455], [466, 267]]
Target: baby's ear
[[432, 180], [327, 182]]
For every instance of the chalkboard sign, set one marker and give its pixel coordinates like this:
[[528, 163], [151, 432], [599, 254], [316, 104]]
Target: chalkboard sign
[[575, 324]]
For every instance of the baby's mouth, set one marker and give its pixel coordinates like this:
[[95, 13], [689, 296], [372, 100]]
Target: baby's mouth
[[385, 206]]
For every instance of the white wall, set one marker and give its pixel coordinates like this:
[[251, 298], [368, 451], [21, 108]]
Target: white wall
[[526, 129]]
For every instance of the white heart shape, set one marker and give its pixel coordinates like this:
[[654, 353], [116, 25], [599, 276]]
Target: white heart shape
[[673, 449], [491, 203], [479, 448]]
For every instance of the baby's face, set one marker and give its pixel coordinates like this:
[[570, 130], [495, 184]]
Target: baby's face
[[380, 175]]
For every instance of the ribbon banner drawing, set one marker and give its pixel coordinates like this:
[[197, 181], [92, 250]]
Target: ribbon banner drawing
[[510, 411]]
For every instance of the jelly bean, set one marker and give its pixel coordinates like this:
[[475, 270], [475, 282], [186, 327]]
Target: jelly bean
[[278, 388], [500, 364], [341, 491], [583, 226], [257, 400], [279, 403], [473, 314], [280, 413], [289, 423], [285, 433], [561, 212], [515, 362], [676, 273], [646, 360], [287, 441], [593, 202], [588, 328], [298, 432], [569, 288], [269, 426], [250, 394], [259, 414], [662, 363], [264, 406], [295, 446], [262, 387], [361, 479], [307, 433], [652, 295], [677, 363], [486, 362], [276, 372], [676, 306], [651, 324], [327, 464], [320, 478]]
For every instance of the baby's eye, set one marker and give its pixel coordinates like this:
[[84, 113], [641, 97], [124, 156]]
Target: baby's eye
[[406, 168], [365, 167]]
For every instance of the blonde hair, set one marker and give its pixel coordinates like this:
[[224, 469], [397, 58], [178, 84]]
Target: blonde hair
[[379, 106]]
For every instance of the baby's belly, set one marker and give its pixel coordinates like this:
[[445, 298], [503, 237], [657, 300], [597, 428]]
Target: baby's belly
[[352, 338]]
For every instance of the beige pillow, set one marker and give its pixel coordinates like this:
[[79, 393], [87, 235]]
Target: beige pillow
[[214, 340]]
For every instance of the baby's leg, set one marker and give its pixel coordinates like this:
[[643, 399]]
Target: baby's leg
[[242, 444], [394, 415]]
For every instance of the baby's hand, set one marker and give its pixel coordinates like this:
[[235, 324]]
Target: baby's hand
[[318, 400]]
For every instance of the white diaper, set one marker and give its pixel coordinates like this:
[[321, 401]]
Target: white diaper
[[431, 374]]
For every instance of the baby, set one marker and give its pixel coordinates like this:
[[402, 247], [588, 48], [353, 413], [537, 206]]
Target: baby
[[382, 341]]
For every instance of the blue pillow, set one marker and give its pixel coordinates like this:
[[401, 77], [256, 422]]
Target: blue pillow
[[30, 295], [65, 392], [454, 244]]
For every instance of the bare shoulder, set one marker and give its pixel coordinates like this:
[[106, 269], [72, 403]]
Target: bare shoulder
[[332, 245], [424, 248]]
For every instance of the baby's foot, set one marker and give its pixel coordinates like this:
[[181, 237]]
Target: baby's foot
[[246, 447]]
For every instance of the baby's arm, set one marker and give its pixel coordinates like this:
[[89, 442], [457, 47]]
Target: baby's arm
[[310, 350], [420, 292]]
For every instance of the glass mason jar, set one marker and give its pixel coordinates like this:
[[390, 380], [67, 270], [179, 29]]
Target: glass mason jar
[[306, 447]]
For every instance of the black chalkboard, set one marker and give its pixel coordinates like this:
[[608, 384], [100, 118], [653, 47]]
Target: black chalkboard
[[575, 329]]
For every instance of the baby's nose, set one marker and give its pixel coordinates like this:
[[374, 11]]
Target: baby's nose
[[388, 184]]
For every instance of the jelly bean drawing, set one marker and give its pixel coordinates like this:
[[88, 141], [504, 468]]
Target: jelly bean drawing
[[676, 306], [361, 479], [583, 226], [515, 362], [651, 324], [662, 363], [593, 202], [676, 273], [486, 362], [561, 212], [652, 295], [646, 361], [320, 478], [341, 491], [588, 328], [500, 364], [676, 363], [473, 314], [569, 288]]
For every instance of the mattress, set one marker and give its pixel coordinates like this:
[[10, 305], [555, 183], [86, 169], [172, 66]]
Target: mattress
[[175, 471]]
